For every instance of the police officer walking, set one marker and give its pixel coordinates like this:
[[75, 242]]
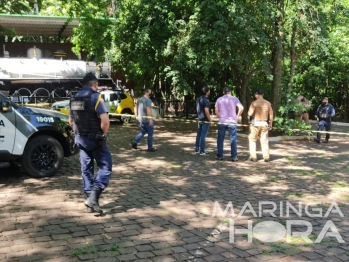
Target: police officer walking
[[89, 118], [260, 115], [324, 113]]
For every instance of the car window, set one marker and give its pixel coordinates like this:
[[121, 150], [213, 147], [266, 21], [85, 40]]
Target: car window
[[123, 96], [114, 97], [4, 98]]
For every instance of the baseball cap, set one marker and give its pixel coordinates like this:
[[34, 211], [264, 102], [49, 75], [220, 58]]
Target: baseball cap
[[89, 77], [258, 92]]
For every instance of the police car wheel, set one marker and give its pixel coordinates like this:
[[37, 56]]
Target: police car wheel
[[42, 157]]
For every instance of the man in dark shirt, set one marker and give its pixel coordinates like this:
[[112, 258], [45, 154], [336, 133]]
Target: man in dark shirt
[[204, 118], [324, 113]]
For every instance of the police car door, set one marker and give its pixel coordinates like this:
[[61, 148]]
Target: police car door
[[106, 99], [114, 101], [7, 128]]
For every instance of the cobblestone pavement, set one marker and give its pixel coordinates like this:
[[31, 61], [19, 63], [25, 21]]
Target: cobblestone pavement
[[158, 206]]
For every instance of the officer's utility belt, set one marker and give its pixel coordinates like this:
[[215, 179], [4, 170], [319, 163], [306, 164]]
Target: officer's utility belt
[[328, 119], [96, 136], [99, 137]]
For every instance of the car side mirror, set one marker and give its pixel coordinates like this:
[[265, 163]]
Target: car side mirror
[[5, 106]]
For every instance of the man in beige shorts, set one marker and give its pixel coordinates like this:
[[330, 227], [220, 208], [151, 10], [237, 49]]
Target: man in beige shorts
[[260, 115]]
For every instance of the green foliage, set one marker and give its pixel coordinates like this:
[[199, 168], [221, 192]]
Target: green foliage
[[285, 122], [91, 249], [176, 47], [15, 7]]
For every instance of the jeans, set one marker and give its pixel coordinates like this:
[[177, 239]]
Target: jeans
[[201, 137], [89, 152], [323, 124], [233, 139], [146, 129]]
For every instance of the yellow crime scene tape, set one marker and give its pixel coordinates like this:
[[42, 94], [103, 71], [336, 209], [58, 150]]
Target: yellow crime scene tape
[[216, 123]]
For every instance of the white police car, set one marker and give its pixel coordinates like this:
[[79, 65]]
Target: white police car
[[37, 138]]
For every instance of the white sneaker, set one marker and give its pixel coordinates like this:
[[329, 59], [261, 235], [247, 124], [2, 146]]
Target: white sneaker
[[204, 154]]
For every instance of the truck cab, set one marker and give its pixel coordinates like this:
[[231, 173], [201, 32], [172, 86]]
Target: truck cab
[[38, 139]]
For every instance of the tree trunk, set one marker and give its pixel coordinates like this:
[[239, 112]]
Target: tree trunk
[[113, 7], [242, 79], [292, 57], [277, 56]]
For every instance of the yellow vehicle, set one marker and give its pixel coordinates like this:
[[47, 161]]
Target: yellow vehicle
[[116, 101], [119, 102]]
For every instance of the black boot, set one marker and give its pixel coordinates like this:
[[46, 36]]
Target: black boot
[[327, 138], [88, 209], [318, 137], [92, 200]]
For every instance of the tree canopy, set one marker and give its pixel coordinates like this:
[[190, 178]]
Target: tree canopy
[[178, 46]]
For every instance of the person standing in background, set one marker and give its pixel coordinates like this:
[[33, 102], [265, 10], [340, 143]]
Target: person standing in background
[[260, 117], [302, 105], [225, 109], [324, 113], [204, 121]]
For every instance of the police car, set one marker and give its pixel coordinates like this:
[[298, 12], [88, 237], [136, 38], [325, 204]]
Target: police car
[[37, 138]]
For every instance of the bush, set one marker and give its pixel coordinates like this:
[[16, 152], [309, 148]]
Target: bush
[[285, 122]]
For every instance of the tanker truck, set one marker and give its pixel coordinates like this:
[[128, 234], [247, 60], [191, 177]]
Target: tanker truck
[[34, 79]]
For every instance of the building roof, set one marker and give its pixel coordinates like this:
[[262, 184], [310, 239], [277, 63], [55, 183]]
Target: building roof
[[37, 25]]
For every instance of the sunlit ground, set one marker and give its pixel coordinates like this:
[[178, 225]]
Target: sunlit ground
[[158, 206]]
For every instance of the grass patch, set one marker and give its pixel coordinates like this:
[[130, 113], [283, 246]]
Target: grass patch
[[266, 252], [280, 247], [273, 179], [344, 197], [226, 221], [324, 177], [340, 184], [297, 194], [91, 249], [304, 172], [174, 165]]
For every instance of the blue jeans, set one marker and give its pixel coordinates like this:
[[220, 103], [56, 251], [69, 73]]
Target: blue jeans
[[89, 152], [201, 137], [146, 129], [323, 124], [233, 139]]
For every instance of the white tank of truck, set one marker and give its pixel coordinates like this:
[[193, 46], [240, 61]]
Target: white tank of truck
[[43, 79]]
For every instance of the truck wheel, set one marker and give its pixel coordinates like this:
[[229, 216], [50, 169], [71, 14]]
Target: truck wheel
[[126, 119], [42, 156]]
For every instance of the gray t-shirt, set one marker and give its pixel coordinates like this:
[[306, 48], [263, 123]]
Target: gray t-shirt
[[142, 105]]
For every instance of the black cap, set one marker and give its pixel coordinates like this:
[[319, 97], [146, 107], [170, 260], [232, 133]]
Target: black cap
[[226, 89], [258, 92], [89, 77]]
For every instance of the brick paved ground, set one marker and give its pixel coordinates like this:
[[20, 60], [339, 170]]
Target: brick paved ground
[[158, 206]]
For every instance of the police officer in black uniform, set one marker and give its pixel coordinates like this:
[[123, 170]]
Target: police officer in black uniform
[[324, 113], [89, 118]]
